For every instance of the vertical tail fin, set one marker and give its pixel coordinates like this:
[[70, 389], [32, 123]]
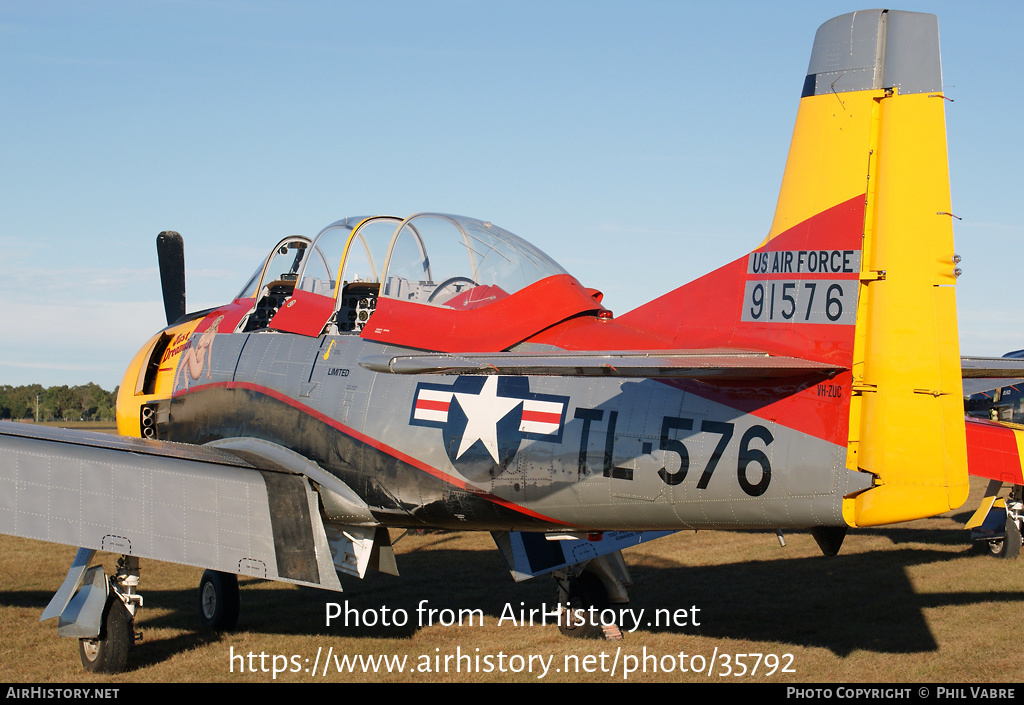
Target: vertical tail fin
[[858, 267], [907, 422]]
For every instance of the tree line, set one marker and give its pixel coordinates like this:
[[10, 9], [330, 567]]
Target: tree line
[[87, 402]]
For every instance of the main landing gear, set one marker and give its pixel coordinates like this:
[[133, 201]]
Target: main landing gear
[[108, 652], [100, 611], [586, 591], [998, 523], [1009, 545], [219, 601]]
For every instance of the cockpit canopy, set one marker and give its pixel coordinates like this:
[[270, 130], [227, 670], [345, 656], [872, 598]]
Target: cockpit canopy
[[431, 261], [460, 263]]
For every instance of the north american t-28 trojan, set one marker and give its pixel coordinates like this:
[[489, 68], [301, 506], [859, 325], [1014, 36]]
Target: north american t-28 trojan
[[437, 371]]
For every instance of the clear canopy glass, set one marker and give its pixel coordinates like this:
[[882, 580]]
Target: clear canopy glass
[[282, 264], [350, 250], [458, 262], [440, 260]]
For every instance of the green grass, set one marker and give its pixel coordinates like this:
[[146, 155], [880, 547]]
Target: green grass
[[911, 603]]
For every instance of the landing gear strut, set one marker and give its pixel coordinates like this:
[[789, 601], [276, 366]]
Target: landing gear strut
[[998, 523], [1014, 522], [98, 611], [585, 589]]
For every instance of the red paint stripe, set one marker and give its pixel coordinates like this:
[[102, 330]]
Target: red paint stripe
[[992, 452], [542, 417], [432, 405], [374, 443]]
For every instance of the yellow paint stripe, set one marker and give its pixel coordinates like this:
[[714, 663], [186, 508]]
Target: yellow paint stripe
[[1018, 436], [979, 516], [828, 157]]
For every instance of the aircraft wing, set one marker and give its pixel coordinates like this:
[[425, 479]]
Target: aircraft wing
[[975, 385], [692, 364], [992, 367], [194, 505]]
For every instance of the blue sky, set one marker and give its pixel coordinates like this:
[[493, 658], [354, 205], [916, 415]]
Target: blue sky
[[640, 144]]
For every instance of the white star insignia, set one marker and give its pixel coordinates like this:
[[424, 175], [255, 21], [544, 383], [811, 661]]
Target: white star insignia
[[483, 412]]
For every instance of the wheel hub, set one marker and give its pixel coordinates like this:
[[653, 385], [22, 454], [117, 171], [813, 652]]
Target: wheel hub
[[90, 648], [209, 600]]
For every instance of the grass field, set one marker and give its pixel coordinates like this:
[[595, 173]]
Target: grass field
[[904, 604]]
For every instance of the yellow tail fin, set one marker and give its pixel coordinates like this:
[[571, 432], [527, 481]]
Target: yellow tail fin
[[872, 123]]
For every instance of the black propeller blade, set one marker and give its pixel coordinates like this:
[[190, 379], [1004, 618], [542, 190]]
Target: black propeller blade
[[170, 252]]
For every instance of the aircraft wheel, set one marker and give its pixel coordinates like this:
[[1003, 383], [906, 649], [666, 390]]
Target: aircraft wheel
[[219, 600], [1010, 546], [109, 652], [585, 591]]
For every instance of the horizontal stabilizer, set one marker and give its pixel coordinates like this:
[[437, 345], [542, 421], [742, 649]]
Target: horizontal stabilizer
[[713, 364], [992, 367], [978, 385]]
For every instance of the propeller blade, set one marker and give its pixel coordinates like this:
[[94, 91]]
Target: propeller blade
[[170, 252]]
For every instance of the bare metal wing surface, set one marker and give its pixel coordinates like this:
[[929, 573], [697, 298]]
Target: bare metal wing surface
[[174, 502]]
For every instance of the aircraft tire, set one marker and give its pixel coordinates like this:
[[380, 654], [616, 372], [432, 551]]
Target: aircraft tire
[[219, 601], [1010, 546], [109, 652]]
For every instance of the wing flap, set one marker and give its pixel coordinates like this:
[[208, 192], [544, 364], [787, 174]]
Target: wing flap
[[712, 364], [173, 502]]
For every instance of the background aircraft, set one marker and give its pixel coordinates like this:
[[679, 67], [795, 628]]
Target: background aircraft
[[995, 420], [438, 371]]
